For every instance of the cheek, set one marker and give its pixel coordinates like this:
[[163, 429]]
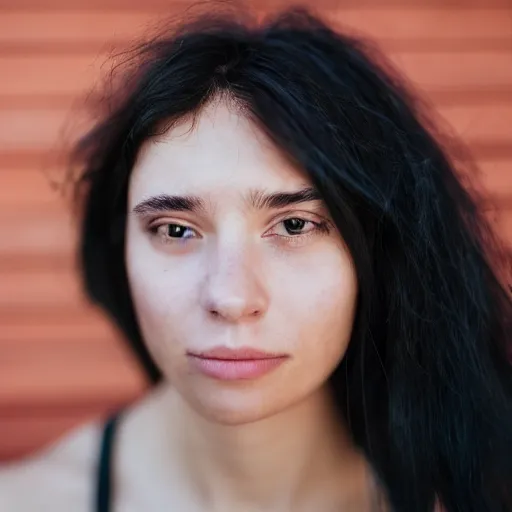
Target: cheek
[[322, 304], [163, 298]]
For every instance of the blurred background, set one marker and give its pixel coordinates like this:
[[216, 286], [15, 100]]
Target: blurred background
[[61, 363]]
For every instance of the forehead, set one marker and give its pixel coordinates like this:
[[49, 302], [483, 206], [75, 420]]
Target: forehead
[[222, 151]]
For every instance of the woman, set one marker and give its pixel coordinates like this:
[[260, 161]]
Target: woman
[[292, 257]]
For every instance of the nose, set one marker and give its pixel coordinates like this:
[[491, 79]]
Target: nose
[[233, 290]]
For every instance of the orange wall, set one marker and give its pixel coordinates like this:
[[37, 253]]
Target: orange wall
[[60, 362]]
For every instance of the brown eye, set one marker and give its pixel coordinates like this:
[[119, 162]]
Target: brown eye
[[174, 230], [171, 232], [296, 230], [294, 224]]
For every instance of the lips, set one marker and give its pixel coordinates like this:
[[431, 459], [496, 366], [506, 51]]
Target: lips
[[244, 363], [230, 354]]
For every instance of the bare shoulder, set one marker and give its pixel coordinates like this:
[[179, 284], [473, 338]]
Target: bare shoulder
[[59, 478]]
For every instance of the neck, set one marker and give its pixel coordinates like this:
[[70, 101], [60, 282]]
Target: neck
[[275, 457], [300, 455]]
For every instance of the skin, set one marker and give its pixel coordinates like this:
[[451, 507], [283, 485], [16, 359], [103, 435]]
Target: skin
[[233, 275]]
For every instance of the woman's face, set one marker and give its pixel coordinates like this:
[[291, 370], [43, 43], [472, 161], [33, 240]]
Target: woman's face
[[226, 271]]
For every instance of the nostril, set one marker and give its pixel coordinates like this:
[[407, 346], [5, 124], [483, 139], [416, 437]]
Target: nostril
[[227, 314]]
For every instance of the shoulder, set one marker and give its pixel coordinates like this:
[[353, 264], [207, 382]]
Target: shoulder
[[59, 478]]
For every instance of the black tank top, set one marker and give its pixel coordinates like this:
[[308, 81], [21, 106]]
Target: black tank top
[[104, 486]]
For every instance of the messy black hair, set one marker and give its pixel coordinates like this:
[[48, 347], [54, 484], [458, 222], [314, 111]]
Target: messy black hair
[[426, 383]]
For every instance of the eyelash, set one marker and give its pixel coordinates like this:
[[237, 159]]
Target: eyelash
[[318, 228]]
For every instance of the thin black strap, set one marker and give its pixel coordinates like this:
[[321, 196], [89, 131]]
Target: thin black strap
[[104, 477]]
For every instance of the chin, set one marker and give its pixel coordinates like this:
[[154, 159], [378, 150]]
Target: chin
[[231, 417], [236, 405]]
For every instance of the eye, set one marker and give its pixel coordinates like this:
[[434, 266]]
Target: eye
[[295, 232], [172, 232], [295, 225]]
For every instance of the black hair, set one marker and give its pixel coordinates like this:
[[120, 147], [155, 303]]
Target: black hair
[[426, 383]]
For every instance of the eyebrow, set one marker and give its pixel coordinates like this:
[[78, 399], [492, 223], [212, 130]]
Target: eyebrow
[[256, 199]]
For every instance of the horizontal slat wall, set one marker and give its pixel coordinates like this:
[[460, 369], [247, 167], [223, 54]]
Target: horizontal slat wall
[[60, 361], [267, 4]]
